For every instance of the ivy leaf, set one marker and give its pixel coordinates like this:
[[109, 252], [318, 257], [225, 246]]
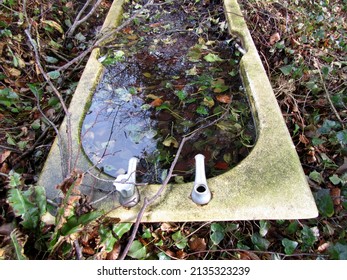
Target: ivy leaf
[[338, 251], [286, 70], [260, 243], [289, 246], [180, 240], [264, 227], [308, 236], [324, 202], [217, 233], [137, 250]]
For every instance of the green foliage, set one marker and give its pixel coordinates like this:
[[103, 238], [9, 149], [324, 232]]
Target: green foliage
[[338, 251], [309, 237], [289, 246], [18, 242], [179, 239], [324, 202], [260, 243], [217, 233], [110, 235], [137, 250], [30, 205]]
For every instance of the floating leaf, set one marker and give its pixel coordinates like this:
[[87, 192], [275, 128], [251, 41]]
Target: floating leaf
[[157, 102], [170, 141], [212, 58], [221, 165], [147, 74]]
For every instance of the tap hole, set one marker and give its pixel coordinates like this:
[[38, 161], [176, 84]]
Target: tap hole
[[201, 189]]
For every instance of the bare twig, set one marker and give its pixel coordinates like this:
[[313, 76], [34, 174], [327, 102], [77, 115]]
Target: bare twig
[[78, 249], [78, 21], [327, 94]]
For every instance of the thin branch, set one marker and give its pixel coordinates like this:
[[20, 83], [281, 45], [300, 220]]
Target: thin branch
[[79, 21], [327, 94]]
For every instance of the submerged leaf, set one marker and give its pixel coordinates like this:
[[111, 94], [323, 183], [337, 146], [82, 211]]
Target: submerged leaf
[[212, 58]]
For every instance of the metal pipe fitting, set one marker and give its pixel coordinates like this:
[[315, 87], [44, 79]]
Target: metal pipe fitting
[[125, 185], [201, 194]]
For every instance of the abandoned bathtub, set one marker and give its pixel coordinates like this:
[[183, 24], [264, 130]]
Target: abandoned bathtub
[[268, 183]]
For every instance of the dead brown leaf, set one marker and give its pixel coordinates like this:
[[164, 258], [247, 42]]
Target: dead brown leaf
[[157, 102], [4, 155], [223, 98], [336, 195], [113, 255], [168, 227], [246, 255], [197, 244]]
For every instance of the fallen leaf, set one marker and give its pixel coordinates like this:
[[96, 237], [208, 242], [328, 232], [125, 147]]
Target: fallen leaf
[[157, 102], [221, 165], [224, 98], [336, 195], [128, 30], [303, 139], [274, 38], [147, 74], [197, 244], [181, 254], [113, 255], [170, 141], [14, 72], [4, 155], [245, 255], [323, 247], [168, 227]]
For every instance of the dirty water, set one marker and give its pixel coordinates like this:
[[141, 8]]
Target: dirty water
[[172, 72]]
